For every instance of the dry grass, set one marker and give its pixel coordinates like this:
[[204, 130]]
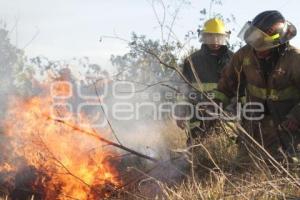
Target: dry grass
[[217, 169], [221, 171]]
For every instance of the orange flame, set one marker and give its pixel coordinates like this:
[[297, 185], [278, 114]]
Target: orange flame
[[72, 164]]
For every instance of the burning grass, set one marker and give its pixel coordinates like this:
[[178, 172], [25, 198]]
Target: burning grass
[[51, 159]]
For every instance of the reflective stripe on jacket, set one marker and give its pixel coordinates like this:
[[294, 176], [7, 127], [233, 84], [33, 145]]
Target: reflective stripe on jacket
[[280, 91], [207, 68]]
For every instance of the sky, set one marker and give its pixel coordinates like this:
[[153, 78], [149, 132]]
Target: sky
[[63, 29]]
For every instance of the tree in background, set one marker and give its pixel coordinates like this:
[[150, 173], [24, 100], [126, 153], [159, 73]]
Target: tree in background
[[22, 76], [138, 66], [15, 75]]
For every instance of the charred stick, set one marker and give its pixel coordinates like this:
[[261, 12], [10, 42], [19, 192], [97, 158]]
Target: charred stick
[[93, 134]]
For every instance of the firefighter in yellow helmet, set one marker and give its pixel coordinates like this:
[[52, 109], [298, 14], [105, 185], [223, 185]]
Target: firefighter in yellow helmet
[[214, 34], [205, 65]]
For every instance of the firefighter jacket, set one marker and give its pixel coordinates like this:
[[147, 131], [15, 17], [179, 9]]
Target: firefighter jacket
[[208, 68], [278, 90]]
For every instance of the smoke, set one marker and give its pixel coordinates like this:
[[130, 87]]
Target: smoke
[[123, 111], [150, 128]]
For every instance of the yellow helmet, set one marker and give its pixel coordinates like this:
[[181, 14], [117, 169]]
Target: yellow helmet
[[214, 32], [214, 25]]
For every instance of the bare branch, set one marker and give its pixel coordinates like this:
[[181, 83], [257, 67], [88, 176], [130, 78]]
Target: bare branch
[[32, 39], [105, 115], [147, 86], [95, 135], [161, 22]]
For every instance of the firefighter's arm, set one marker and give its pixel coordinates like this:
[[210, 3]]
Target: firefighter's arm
[[230, 80], [295, 111]]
